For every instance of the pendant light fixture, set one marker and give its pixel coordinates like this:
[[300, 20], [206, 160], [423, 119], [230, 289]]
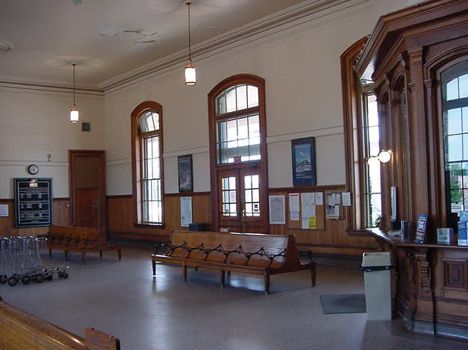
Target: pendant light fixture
[[190, 72], [74, 113]]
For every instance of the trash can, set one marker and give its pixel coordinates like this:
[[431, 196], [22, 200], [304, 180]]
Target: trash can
[[377, 283]]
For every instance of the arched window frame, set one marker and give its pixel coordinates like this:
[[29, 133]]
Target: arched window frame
[[138, 163], [448, 73], [261, 164]]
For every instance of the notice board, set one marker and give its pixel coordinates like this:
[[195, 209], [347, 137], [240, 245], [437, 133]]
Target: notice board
[[33, 202]]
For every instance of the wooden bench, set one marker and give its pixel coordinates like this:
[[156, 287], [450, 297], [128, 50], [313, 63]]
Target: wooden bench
[[22, 331], [258, 254], [79, 239]]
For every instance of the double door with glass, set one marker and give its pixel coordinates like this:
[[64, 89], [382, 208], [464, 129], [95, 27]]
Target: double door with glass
[[242, 201]]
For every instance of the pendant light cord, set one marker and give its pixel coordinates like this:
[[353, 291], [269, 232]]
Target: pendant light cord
[[74, 66], [189, 4]]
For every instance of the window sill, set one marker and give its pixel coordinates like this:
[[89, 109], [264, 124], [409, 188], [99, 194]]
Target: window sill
[[147, 225]]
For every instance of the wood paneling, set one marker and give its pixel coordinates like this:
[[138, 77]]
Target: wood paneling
[[405, 56], [87, 188], [121, 220], [333, 239], [455, 274], [60, 216]]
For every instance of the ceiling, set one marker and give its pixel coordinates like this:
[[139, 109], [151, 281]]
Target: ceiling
[[39, 39]]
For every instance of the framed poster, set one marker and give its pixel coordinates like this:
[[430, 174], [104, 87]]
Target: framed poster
[[185, 172], [33, 202], [303, 162]]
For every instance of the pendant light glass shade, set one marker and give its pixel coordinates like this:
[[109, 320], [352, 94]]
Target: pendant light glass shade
[[190, 71], [190, 74], [74, 113]]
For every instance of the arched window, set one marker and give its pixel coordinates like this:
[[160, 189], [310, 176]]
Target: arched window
[[238, 154], [147, 165], [455, 126]]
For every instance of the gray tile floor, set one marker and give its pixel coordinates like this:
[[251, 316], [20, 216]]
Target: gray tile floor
[[123, 299]]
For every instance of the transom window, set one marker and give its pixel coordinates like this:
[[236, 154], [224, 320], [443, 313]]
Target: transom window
[[237, 98], [238, 125], [455, 114], [147, 169]]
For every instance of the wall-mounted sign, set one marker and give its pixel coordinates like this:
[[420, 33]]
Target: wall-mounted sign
[[33, 202]]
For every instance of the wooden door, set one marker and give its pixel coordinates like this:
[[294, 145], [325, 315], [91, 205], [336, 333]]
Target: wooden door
[[87, 189], [241, 201]]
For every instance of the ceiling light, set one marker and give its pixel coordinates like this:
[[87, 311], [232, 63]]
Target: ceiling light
[[190, 71], [74, 113]]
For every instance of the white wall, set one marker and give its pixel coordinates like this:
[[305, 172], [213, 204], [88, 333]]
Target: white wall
[[303, 98], [34, 124], [301, 68]]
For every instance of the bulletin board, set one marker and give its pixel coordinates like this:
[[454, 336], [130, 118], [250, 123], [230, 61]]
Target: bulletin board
[[33, 202], [319, 211]]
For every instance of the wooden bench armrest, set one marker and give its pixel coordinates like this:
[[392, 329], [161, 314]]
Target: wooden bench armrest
[[20, 331]]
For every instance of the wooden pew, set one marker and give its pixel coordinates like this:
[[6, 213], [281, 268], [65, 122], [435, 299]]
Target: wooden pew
[[22, 331], [257, 254], [79, 239]]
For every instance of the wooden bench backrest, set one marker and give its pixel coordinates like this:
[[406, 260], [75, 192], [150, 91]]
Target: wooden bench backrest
[[75, 232], [244, 242], [21, 331]]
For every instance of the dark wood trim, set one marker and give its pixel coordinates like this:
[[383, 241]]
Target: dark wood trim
[[308, 188], [390, 26], [116, 196], [154, 226], [54, 199], [143, 107], [188, 194], [140, 236], [262, 165], [102, 211], [166, 195], [352, 111]]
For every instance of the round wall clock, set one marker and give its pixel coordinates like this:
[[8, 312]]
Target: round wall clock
[[33, 169]]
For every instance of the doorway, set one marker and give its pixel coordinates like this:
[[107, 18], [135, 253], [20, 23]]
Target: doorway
[[87, 189], [241, 202]]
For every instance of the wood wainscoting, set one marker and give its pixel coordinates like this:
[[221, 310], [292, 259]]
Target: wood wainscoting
[[330, 239], [331, 236], [121, 222], [60, 217]]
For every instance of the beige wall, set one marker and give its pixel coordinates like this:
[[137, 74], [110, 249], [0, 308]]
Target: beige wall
[[301, 68], [34, 124]]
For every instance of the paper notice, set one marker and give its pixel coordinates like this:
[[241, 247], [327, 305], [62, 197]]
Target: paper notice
[[346, 199], [185, 211], [294, 206], [319, 198], [312, 222], [277, 209], [308, 208]]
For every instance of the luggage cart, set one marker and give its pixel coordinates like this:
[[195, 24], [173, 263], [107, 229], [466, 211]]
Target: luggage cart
[[20, 260]]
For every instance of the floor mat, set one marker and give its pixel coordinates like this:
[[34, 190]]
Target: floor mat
[[343, 303]]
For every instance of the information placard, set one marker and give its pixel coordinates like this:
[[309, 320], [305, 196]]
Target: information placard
[[33, 202]]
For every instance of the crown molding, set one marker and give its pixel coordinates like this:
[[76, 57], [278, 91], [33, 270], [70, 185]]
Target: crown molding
[[47, 87], [294, 17], [312, 11]]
